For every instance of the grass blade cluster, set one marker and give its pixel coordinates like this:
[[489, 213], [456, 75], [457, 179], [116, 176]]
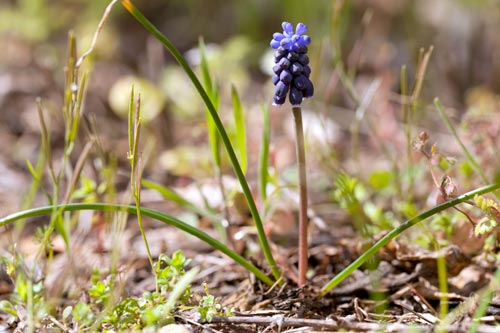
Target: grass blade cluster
[[220, 127]]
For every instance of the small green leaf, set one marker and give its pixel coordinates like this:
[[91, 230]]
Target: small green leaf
[[380, 179], [7, 306], [67, 312], [484, 226]]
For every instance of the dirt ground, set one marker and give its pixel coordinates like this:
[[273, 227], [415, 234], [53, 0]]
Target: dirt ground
[[397, 291]]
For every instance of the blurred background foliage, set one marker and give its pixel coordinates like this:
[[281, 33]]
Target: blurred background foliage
[[371, 38]]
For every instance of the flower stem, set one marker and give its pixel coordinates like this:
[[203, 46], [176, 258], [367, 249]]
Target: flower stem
[[303, 223]]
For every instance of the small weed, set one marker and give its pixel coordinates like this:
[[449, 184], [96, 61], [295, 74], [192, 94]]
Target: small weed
[[209, 307]]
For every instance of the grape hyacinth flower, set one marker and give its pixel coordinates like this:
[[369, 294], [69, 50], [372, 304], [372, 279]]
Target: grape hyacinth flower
[[291, 77], [291, 72]]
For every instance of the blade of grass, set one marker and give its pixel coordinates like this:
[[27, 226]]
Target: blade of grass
[[397, 231], [130, 209], [239, 122], [218, 123], [210, 88], [264, 158]]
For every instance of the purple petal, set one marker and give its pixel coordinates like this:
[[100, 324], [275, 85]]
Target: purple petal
[[286, 77], [281, 89], [305, 40], [275, 79], [295, 96], [275, 44], [303, 59], [287, 28], [309, 90], [278, 100], [301, 82], [306, 70], [295, 38], [297, 68], [301, 28], [278, 36], [284, 63], [285, 42]]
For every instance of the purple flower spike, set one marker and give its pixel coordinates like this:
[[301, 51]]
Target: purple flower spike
[[291, 65]]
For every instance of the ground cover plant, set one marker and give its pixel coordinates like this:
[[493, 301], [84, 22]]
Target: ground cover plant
[[153, 215]]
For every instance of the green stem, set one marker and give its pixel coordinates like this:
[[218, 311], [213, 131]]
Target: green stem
[[443, 286], [303, 222], [146, 212], [220, 127], [396, 232]]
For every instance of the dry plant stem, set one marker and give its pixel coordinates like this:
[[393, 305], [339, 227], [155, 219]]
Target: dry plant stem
[[96, 34], [301, 162]]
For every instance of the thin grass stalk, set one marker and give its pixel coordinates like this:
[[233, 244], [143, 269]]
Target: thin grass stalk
[[136, 169], [397, 231], [239, 122], [225, 139], [423, 62], [442, 273], [131, 209], [466, 151], [408, 124], [303, 221], [29, 198]]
